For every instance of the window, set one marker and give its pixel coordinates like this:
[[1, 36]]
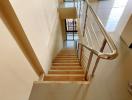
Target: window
[[71, 29], [71, 25], [68, 0]]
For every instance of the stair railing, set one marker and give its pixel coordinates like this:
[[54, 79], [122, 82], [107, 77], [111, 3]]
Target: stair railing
[[94, 42]]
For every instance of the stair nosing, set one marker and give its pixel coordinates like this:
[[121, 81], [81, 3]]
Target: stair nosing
[[68, 70], [61, 75]]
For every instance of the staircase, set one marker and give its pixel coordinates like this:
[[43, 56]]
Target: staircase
[[66, 67], [69, 76]]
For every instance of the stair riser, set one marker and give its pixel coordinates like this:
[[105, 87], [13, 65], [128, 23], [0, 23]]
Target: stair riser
[[65, 72], [67, 57], [70, 54], [67, 54], [65, 64], [66, 68], [65, 61], [64, 78]]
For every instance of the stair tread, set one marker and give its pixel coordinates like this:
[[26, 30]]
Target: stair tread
[[67, 61], [65, 67], [66, 56], [59, 58], [65, 72], [66, 64], [61, 77], [74, 59], [66, 82]]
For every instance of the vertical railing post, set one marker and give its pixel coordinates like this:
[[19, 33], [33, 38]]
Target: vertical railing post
[[76, 45], [77, 5], [81, 52], [88, 65], [78, 48], [98, 58], [74, 3], [80, 8], [85, 19]]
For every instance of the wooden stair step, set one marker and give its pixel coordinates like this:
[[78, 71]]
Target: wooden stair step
[[63, 51], [68, 49], [66, 58], [70, 53], [65, 68], [65, 64], [69, 77], [63, 61], [65, 72], [67, 54], [67, 82]]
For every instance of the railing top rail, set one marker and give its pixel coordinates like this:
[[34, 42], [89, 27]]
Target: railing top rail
[[108, 39]]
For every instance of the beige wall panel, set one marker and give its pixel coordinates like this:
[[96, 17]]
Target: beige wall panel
[[40, 21], [16, 73], [127, 32]]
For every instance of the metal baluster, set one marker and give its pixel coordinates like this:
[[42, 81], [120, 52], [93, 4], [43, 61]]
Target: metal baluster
[[74, 3], [85, 20], [81, 51], [88, 65], [80, 9], [98, 58]]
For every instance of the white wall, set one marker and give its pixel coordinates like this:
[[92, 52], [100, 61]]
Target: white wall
[[16, 74], [123, 20], [40, 21]]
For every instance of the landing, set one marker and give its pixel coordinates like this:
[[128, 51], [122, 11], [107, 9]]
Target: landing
[[59, 91]]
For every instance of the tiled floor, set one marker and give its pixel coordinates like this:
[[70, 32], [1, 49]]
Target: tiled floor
[[111, 78]]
